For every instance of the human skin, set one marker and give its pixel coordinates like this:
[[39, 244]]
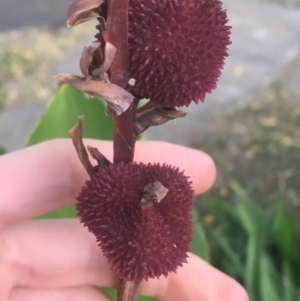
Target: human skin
[[59, 260]]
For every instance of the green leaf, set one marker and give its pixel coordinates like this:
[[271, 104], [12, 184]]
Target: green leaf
[[257, 247], [112, 293], [284, 228], [2, 150], [199, 245], [237, 268], [289, 286], [62, 114], [252, 218], [64, 212], [226, 238], [269, 283], [252, 266], [144, 298]]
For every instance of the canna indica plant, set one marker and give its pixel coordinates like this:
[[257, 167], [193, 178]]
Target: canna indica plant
[[170, 52]]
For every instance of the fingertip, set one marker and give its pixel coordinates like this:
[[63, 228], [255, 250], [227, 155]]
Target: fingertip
[[204, 171], [197, 278], [196, 164], [233, 291]]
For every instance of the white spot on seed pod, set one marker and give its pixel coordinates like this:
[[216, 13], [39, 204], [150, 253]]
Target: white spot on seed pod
[[131, 82]]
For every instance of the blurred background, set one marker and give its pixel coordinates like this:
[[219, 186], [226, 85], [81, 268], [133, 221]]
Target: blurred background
[[250, 125]]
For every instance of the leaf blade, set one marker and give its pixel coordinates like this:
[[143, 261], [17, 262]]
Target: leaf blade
[[62, 114]]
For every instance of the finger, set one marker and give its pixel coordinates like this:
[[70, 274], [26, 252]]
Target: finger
[[61, 253], [195, 281], [48, 176], [5, 275], [54, 253], [64, 294]]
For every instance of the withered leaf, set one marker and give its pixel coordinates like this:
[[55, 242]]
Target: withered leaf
[[109, 54], [88, 55], [149, 106], [80, 11], [92, 61], [117, 98], [95, 154], [127, 290], [157, 116], [76, 135], [153, 192]]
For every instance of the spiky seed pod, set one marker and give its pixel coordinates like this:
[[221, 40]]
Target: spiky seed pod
[[140, 239], [177, 49]]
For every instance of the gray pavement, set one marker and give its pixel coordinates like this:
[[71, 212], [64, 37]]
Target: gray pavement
[[265, 40], [20, 13]]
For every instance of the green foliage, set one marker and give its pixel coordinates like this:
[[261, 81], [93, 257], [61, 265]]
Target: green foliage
[[2, 150], [61, 115], [63, 112], [199, 245], [112, 293], [257, 247]]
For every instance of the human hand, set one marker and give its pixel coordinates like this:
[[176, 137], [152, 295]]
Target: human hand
[[59, 260]]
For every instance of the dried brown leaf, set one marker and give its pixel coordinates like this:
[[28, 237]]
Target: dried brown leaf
[[92, 61], [110, 51], [127, 290], [117, 98], [87, 57], [149, 106], [95, 154], [154, 192], [76, 135], [80, 11], [157, 116]]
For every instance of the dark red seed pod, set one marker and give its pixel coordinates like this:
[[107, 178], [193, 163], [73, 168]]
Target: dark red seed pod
[[140, 238], [177, 49]]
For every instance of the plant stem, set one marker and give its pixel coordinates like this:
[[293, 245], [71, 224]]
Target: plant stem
[[127, 290], [124, 136], [117, 34]]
